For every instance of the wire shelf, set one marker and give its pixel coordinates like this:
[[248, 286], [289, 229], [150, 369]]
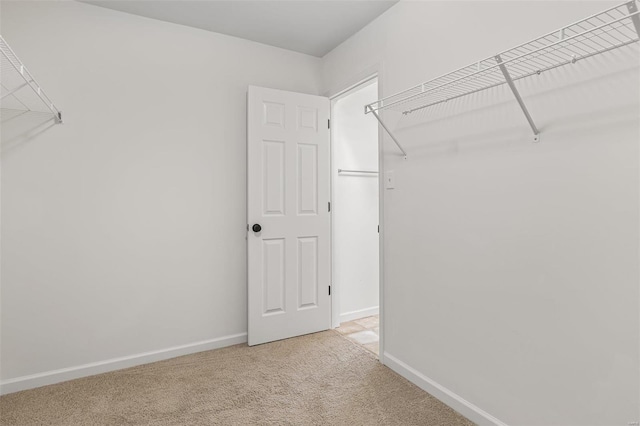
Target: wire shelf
[[613, 28], [19, 91]]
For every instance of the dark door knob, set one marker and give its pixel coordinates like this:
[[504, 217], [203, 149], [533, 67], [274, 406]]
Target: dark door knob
[[256, 228]]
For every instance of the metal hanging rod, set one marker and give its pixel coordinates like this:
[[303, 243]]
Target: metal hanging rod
[[610, 29], [15, 76], [357, 171]]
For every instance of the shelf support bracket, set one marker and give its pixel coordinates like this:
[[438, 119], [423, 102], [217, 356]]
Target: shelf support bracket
[[513, 88], [633, 8], [375, 114]]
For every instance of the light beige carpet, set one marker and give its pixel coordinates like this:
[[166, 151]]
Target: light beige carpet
[[319, 379]]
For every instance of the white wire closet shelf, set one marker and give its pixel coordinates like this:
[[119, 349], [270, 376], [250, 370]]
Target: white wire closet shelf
[[610, 29], [20, 93]]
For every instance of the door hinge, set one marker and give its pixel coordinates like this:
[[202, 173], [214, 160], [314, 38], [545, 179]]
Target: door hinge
[[328, 123], [329, 290], [329, 206], [378, 229]]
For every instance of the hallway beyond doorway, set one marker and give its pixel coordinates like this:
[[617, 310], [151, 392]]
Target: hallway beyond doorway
[[363, 331]]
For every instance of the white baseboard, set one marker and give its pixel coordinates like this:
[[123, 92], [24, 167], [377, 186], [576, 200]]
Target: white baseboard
[[64, 374], [453, 400], [362, 313]]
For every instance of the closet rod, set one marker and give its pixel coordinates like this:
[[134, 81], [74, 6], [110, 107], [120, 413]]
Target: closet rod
[[357, 171]]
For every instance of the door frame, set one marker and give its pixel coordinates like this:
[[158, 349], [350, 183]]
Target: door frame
[[371, 74]]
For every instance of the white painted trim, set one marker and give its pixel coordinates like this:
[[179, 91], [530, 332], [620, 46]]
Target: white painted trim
[[335, 289], [381, 232], [362, 313], [354, 88], [453, 400], [70, 373]]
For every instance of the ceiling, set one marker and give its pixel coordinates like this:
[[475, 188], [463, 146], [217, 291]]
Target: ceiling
[[313, 27]]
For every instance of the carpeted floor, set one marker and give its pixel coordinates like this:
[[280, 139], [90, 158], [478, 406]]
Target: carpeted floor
[[319, 379]]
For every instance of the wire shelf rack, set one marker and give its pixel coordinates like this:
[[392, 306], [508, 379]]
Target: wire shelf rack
[[610, 29], [19, 91]]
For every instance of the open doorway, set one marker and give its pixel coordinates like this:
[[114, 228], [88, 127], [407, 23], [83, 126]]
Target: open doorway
[[355, 220]]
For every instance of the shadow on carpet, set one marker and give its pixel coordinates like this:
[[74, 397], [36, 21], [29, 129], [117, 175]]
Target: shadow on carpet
[[318, 379]]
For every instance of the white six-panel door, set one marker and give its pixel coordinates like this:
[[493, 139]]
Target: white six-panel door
[[288, 198]]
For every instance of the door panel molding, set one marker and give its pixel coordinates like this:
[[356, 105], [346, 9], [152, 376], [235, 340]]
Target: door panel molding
[[288, 180]]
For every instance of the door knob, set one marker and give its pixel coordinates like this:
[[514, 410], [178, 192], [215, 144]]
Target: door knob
[[256, 228]]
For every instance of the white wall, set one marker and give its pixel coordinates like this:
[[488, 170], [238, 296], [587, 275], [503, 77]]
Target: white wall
[[123, 230], [518, 261], [355, 204]]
